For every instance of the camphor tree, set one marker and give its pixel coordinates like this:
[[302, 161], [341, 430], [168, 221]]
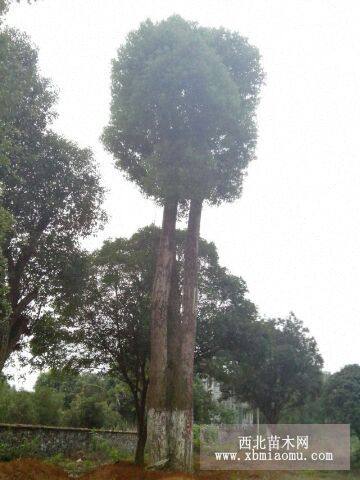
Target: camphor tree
[[182, 127]]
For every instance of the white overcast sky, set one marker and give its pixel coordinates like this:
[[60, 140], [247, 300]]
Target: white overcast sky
[[294, 236]]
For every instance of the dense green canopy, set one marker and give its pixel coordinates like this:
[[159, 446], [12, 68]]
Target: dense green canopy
[[54, 198], [182, 109], [26, 98], [342, 397], [272, 364]]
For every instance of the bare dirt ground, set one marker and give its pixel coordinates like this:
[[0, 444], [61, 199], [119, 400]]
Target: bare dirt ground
[[31, 469]]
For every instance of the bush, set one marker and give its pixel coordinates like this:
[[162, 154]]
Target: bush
[[103, 448]]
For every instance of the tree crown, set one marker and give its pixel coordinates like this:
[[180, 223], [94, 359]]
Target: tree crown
[[182, 110]]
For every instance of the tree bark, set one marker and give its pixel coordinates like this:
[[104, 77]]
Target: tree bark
[[157, 395], [180, 427], [174, 333], [141, 430], [140, 445]]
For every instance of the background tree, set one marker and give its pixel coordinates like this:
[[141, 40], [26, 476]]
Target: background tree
[[282, 369], [181, 129], [54, 198], [48, 405], [26, 102], [110, 319], [90, 400], [50, 188], [341, 397], [67, 398]]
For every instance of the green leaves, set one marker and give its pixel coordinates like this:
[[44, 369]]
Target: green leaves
[[182, 110], [341, 397], [271, 364], [26, 98], [50, 187]]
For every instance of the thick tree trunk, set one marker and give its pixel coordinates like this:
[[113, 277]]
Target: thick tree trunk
[[156, 401], [11, 331], [181, 420], [141, 440], [141, 418], [174, 352], [174, 332]]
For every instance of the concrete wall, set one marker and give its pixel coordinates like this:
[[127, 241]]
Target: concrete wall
[[52, 440]]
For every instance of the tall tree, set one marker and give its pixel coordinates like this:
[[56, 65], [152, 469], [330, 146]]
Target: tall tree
[[229, 151], [182, 127]]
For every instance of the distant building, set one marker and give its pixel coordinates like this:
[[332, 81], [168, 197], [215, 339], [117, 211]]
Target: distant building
[[243, 412]]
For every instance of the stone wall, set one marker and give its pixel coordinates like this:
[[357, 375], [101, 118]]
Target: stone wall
[[46, 441]]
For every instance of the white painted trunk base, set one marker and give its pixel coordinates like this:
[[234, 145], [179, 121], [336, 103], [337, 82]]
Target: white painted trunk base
[[157, 421], [181, 440]]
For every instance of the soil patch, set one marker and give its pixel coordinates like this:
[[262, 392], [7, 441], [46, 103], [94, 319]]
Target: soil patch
[[30, 469], [128, 471]]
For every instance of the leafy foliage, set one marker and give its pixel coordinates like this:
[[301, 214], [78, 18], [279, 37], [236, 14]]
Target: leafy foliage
[[26, 98], [182, 110], [54, 198], [67, 399], [271, 364], [341, 397]]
